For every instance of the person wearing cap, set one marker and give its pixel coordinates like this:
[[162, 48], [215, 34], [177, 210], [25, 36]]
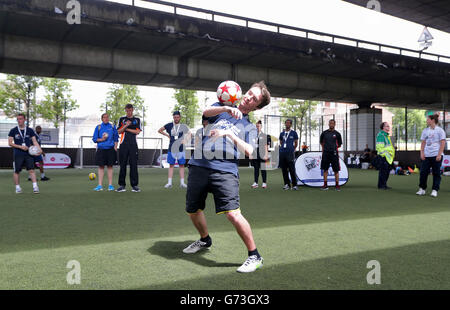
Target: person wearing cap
[[178, 134]]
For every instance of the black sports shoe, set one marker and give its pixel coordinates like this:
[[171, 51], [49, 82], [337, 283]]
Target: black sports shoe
[[121, 189], [45, 179], [136, 189]]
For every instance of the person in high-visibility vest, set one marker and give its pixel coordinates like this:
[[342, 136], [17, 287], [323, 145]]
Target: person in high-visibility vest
[[386, 151]]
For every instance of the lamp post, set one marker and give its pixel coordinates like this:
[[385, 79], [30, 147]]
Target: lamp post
[[64, 139], [28, 103]]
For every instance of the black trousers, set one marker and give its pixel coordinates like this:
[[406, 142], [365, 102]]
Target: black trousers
[[256, 163], [383, 173], [128, 154], [430, 162], [287, 165]]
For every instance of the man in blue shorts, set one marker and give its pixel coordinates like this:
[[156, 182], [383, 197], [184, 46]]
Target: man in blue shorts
[[107, 138], [178, 134], [215, 170], [21, 138]]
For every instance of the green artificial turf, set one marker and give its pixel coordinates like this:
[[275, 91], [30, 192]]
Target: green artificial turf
[[309, 239]]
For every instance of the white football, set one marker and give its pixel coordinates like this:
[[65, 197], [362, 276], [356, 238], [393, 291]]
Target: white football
[[229, 93], [34, 150]]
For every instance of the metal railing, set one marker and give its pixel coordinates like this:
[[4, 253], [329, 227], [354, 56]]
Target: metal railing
[[180, 9]]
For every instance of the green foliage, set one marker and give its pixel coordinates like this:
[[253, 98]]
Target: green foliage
[[15, 92], [299, 109], [119, 95], [252, 118], [188, 106], [416, 118], [57, 100]]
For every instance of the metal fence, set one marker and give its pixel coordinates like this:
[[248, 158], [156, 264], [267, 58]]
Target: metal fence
[[180, 9]]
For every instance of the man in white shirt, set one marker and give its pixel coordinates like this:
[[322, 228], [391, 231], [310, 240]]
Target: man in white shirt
[[431, 153]]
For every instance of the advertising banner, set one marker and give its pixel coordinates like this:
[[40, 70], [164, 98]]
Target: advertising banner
[[307, 168]]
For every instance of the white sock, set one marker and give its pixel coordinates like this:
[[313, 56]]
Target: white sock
[[182, 181], [18, 187], [42, 175], [35, 185], [169, 181]]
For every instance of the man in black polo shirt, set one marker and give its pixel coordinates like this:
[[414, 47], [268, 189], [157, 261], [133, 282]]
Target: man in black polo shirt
[[21, 138], [331, 141], [128, 128]]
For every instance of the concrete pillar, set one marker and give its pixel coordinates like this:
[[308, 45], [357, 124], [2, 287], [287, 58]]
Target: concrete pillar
[[363, 127]]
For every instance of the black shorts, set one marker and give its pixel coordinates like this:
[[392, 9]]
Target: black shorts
[[105, 157], [23, 160], [328, 159], [223, 185]]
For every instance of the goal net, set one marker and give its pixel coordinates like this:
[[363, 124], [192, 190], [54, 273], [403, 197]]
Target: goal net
[[149, 156]]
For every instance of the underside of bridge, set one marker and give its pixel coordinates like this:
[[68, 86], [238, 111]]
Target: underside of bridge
[[431, 13], [164, 49]]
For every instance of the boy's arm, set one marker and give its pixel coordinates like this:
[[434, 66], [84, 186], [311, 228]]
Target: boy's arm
[[216, 110]]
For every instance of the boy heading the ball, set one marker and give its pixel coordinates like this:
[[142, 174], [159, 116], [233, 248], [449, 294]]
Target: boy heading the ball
[[215, 170], [21, 138]]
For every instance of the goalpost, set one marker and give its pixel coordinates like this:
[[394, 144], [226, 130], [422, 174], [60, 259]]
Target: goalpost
[[150, 152]]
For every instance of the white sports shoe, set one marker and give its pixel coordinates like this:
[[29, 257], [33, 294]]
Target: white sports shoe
[[36, 190], [252, 263], [264, 185], [182, 185], [421, 192], [18, 191], [168, 185], [255, 185], [286, 187], [434, 193], [195, 247]]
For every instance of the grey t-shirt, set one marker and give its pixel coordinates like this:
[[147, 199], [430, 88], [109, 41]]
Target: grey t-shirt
[[432, 138]]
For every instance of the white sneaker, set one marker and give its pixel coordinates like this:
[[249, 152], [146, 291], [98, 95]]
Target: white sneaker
[[434, 193], [182, 185], [264, 185], [252, 263], [286, 187], [421, 192], [255, 185], [19, 190], [36, 190], [195, 247], [168, 185], [294, 188]]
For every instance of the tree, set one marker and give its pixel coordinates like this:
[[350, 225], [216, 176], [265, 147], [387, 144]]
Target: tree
[[58, 100], [18, 94], [119, 95], [187, 105], [416, 118], [299, 109]]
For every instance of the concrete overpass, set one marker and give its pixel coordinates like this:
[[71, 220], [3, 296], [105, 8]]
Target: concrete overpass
[[431, 13], [174, 50]]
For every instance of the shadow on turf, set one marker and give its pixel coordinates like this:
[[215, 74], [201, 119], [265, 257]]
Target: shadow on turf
[[420, 266], [174, 250]]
